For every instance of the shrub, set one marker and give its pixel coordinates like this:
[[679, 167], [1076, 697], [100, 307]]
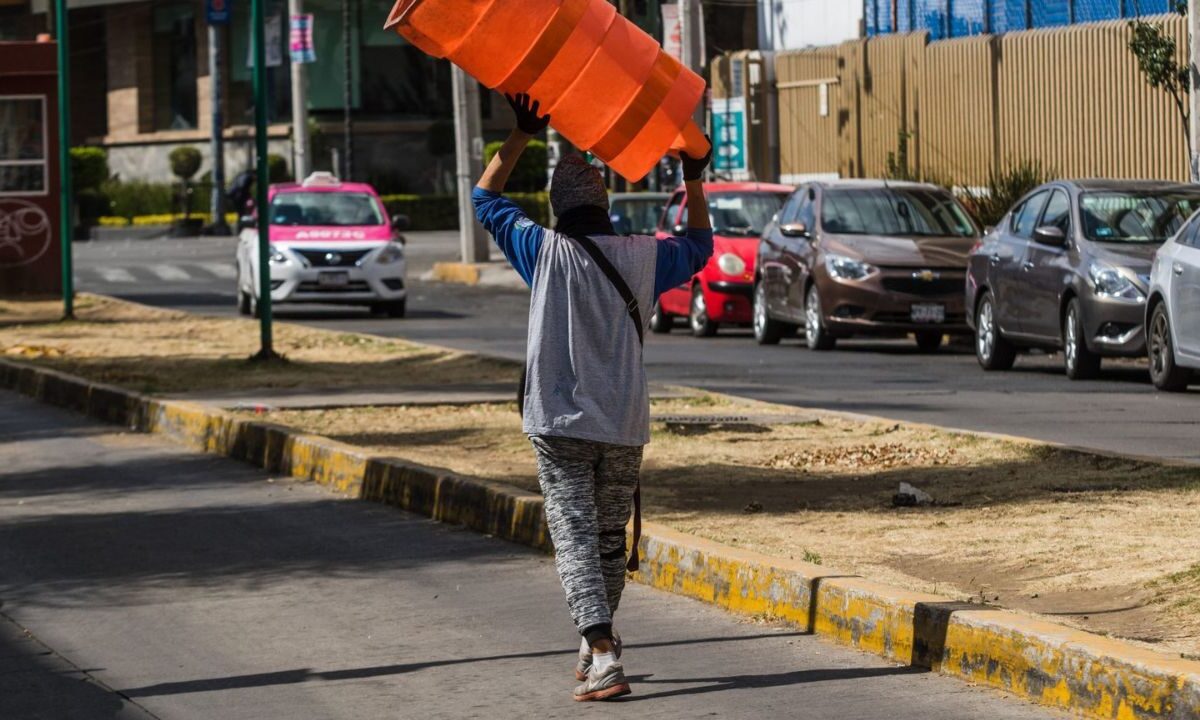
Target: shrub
[[185, 162], [89, 167], [440, 212], [530, 174], [277, 169], [138, 197], [1004, 188]]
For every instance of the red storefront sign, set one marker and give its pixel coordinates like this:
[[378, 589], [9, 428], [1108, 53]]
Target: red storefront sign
[[30, 252]]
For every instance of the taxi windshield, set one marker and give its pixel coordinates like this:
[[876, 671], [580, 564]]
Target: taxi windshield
[[337, 209]]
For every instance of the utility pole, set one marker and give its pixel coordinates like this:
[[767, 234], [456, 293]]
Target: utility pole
[[300, 143], [218, 225], [468, 148], [258, 41], [348, 91], [67, 199], [691, 30], [1194, 95]]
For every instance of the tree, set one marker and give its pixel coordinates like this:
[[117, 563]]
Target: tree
[[185, 163], [1156, 55]]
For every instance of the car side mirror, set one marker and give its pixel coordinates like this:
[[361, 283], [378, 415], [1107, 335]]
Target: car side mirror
[[795, 230], [400, 223], [678, 230], [1050, 235]]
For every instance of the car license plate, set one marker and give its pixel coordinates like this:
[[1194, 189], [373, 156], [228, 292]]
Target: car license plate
[[333, 279], [928, 313]]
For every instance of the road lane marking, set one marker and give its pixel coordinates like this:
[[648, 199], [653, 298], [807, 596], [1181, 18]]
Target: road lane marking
[[170, 272], [115, 275], [221, 270]]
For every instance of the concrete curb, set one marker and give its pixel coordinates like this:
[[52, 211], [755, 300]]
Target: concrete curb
[[1045, 663], [490, 274]]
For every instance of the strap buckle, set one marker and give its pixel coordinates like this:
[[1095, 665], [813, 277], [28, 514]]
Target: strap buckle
[[631, 306]]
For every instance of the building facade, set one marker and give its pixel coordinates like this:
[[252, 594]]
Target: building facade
[[792, 25], [944, 19]]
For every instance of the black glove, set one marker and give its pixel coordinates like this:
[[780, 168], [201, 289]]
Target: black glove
[[528, 120], [693, 168]]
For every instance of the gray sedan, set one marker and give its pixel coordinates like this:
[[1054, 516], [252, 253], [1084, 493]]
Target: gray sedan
[[1068, 268]]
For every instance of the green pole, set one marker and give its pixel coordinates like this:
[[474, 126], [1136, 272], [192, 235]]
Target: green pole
[[64, 157], [258, 20]]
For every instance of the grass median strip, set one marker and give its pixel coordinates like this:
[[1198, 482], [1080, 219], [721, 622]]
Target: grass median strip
[[1096, 542]]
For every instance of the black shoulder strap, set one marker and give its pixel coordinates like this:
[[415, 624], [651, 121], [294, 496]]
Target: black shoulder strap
[[631, 303]]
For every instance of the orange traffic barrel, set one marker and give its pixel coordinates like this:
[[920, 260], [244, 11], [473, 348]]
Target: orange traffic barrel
[[608, 86]]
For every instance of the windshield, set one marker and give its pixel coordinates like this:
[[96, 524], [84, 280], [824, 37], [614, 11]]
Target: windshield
[[1137, 217], [637, 217], [895, 211], [743, 214], [325, 208]]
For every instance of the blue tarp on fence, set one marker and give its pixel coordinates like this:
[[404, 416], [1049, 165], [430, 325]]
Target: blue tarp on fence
[[960, 18]]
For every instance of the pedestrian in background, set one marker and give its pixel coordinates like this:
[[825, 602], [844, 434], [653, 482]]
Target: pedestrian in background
[[586, 403]]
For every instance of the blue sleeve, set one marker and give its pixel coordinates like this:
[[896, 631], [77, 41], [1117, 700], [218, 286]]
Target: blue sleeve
[[679, 258], [519, 238]]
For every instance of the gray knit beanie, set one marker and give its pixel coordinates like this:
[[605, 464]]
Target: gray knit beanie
[[576, 183]]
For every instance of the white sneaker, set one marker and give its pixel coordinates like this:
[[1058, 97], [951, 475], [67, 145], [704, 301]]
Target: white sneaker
[[585, 656], [605, 684]]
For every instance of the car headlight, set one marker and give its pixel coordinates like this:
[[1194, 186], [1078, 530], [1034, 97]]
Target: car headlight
[[847, 268], [277, 257], [389, 254], [1112, 283], [731, 264]]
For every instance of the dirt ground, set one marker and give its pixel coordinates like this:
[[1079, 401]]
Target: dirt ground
[[160, 351], [1099, 543]]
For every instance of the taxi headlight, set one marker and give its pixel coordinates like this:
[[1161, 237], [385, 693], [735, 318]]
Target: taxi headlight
[[731, 264], [390, 254]]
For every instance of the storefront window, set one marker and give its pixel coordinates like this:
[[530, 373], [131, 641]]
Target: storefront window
[[174, 46], [22, 145]]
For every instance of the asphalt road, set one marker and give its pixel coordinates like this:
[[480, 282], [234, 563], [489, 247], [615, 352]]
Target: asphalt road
[[139, 580], [1120, 412]]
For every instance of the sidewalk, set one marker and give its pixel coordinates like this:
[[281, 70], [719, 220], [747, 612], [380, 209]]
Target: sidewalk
[[198, 588]]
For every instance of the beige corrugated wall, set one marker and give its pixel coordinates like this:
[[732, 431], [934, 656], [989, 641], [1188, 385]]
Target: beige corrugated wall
[[808, 142], [1072, 98]]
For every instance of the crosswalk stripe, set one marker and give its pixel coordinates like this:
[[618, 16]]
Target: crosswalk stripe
[[170, 272], [115, 275], [221, 270]]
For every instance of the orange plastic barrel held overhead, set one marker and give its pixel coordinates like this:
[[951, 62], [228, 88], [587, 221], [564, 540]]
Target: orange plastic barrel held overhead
[[608, 86]]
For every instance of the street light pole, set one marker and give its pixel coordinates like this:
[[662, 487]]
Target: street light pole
[[217, 203], [348, 91], [468, 147], [259, 39], [300, 141], [67, 199]]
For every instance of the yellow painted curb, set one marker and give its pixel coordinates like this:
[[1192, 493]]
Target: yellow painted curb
[[456, 272], [1045, 663]]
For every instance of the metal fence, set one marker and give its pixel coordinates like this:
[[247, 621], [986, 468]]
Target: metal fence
[[1071, 98], [944, 19]]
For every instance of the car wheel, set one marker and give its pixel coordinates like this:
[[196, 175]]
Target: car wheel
[[816, 336], [1080, 362], [698, 317], [661, 322], [1163, 371], [992, 350], [766, 330], [929, 340], [243, 303]]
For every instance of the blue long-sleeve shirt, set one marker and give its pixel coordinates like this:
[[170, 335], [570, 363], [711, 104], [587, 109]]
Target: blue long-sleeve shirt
[[585, 377]]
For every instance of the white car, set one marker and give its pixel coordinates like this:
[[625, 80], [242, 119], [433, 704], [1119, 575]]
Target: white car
[[331, 242], [1173, 310]]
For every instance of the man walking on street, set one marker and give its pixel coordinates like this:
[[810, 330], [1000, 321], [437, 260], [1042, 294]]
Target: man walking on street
[[586, 404]]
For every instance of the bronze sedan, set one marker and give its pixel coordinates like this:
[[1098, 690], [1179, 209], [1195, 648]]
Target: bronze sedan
[[864, 257]]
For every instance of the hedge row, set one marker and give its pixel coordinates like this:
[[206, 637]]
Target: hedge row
[[440, 212]]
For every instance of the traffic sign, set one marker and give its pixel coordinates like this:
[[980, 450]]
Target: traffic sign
[[729, 134], [218, 11]]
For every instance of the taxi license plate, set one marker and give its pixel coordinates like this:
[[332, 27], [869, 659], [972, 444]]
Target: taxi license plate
[[929, 313], [333, 279]]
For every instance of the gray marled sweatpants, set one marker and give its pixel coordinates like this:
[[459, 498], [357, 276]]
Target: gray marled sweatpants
[[588, 488]]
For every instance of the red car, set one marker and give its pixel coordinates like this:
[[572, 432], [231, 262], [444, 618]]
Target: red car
[[723, 290]]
